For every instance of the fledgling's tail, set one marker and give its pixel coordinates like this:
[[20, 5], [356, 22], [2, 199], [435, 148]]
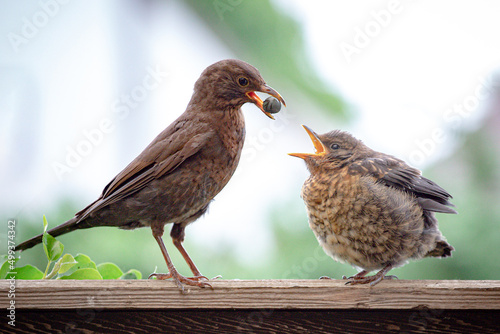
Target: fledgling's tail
[[443, 249], [70, 225]]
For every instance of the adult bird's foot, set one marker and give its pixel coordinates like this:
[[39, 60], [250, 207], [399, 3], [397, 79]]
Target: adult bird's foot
[[180, 280]]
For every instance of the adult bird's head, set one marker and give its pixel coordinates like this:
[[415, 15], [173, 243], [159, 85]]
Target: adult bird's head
[[332, 149], [230, 83]]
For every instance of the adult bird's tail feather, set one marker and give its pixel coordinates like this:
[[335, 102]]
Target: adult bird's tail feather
[[70, 225]]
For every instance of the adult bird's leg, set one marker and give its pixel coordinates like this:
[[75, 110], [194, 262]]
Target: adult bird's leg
[[177, 234], [360, 277], [172, 272]]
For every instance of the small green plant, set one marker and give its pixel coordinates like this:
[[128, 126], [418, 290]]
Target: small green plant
[[61, 266]]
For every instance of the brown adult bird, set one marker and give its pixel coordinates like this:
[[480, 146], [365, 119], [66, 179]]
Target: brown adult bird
[[176, 176], [370, 209]]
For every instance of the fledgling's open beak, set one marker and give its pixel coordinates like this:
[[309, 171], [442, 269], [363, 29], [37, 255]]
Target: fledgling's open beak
[[258, 102], [318, 145]]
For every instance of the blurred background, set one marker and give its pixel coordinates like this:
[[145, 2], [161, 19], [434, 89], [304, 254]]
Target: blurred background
[[86, 85]]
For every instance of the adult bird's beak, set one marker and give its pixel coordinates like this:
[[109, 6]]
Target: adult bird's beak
[[258, 102], [318, 145]]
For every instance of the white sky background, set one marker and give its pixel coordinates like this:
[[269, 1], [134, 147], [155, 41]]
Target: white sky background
[[430, 56], [65, 79]]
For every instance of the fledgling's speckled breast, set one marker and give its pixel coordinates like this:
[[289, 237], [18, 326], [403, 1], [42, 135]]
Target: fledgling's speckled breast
[[364, 223]]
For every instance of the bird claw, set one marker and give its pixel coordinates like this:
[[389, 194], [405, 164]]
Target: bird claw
[[160, 276], [373, 280], [181, 280]]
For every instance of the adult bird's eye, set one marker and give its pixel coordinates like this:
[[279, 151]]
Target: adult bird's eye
[[335, 146], [242, 81]]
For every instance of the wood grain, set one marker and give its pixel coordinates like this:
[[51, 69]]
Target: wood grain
[[252, 295], [255, 321]]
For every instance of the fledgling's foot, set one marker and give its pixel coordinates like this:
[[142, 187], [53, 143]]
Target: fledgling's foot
[[373, 280]]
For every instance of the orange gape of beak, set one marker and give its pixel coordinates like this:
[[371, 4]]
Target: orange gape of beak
[[258, 102], [318, 145]]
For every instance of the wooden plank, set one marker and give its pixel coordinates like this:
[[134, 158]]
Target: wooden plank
[[255, 321], [252, 294]]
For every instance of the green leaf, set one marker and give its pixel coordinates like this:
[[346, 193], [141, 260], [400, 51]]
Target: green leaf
[[53, 248], [54, 270], [83, 259], [82, 262], [109, 270], [45, 224], [85, 273], [62, 265], [7, 265], [28, 272], [67, 262], [4, 268], [132, 274]]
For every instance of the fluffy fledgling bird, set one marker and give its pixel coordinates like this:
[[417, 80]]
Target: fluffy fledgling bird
[[176, 176], [370, 209]]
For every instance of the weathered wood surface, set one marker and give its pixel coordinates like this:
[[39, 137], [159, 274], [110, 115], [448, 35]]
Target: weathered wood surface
[[255, 321], [266, 306], [253, 294]]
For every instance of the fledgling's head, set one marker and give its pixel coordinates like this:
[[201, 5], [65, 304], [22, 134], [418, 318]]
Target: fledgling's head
[[333, 149], [230, 83]]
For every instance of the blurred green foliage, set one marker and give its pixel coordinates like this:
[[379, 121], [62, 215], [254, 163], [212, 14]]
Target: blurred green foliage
[[61, 266], [261, 34]]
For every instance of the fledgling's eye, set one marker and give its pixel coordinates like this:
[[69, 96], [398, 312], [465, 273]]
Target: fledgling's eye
[[335, 146], [243, 82]]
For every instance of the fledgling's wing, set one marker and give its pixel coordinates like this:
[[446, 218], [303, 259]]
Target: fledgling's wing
[[395, 173]]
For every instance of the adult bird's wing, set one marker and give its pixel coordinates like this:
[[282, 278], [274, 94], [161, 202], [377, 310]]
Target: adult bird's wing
[[169, 150], [395, 173]]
